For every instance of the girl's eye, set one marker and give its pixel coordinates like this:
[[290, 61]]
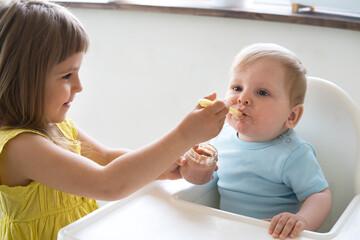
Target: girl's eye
[[67, 76], [237, 89], [263, 93]]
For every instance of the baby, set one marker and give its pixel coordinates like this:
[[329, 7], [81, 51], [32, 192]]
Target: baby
[[266, 170]]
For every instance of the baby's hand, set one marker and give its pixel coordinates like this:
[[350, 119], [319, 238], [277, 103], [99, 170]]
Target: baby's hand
[[286, 225]]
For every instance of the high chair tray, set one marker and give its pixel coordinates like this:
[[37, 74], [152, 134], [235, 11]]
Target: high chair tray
[[157, 212]]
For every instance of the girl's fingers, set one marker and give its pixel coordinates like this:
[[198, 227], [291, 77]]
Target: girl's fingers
[[181, 161], [218, 106], [203, 101], [211, 96]]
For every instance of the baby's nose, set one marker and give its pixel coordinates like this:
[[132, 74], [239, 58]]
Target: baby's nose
[[244, 100]]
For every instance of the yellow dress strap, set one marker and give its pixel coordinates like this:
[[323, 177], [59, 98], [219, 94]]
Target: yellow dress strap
[[6, 135], [67, 128]]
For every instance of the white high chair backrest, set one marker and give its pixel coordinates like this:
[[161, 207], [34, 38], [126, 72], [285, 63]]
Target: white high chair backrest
[[331, 124]]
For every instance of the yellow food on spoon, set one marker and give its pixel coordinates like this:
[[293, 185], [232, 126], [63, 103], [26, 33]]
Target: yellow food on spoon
[[206, 102]]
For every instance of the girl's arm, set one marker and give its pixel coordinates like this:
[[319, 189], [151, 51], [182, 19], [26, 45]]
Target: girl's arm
[[31, 157], [96, 151], [311, 216], [103, 155]]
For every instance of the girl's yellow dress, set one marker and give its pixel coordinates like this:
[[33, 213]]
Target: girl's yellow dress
[[36, 211]]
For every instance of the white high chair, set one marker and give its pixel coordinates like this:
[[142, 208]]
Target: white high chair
[[331, 124], [178, 210]]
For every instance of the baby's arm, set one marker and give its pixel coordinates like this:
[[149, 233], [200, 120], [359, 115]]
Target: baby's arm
[[311, 216]]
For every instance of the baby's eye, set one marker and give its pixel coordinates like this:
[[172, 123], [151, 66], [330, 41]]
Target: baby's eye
[[237, 89], [67, 76], [263, 93]]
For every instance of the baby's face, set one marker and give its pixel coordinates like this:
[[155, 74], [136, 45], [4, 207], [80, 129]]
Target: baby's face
[[259, 92]]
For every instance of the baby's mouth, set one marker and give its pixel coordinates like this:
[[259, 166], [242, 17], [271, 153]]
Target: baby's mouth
[[242, 116], [239, 112]]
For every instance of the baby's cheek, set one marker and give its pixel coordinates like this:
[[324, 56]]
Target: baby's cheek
[[228, 117], [231, 121], [230, 99]]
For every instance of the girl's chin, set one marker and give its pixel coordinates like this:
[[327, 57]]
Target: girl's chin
[[58, 119]]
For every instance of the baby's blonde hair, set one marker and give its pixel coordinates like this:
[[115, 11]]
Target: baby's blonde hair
[[295, 71], [35, 36]]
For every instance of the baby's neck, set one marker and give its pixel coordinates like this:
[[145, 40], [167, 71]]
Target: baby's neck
[[259, 138]]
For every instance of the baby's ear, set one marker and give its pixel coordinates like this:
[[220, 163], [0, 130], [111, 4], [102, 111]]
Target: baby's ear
[[294, 116]]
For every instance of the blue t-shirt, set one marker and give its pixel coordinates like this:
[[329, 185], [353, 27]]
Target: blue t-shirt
[[263, 179]]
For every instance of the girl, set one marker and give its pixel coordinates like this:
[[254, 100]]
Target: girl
[[49, 169]]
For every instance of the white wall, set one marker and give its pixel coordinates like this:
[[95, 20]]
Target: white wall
[[144, 71]]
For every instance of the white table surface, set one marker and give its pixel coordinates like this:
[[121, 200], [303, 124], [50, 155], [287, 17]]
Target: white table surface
[[155, 212]]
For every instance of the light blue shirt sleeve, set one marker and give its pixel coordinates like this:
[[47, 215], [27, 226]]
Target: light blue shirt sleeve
[[302, 172]]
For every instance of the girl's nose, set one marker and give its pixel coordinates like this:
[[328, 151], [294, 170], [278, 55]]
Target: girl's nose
[[77, 86]]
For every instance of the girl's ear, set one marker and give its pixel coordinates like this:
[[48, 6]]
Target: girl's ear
[[294, 116]]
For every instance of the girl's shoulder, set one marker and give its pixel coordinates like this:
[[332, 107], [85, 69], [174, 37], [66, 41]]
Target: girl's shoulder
[[9, 134], [66, 127]]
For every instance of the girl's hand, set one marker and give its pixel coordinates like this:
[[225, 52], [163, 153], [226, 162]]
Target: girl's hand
[[286, 225], [202, 124], [216, 168], [173, 172]]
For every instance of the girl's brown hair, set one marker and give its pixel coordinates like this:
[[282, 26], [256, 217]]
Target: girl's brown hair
[[295, 83], [35, 35]]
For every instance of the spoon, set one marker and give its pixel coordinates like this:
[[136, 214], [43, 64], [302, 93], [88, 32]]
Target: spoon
[[206, 102]]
